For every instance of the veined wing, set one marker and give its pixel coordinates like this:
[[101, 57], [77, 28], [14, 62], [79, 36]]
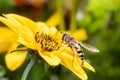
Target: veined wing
[[89, 47]]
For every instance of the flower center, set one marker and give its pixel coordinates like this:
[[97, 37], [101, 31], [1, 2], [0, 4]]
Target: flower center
[[47, 42]]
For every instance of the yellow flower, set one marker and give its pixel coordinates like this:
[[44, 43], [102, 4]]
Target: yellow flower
[[46, 40]]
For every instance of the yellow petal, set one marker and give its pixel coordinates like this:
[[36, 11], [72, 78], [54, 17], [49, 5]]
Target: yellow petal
[[71, 53], [24, 21], [53, 20], [88, 66], [26, 37], [11, 22], [52, 30], [80, 34], [42, 27], [14, 60], [73, 64], [50, 58], [7, 37]]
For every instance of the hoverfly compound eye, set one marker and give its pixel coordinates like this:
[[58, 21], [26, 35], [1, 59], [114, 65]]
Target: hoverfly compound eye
[[64, 37]]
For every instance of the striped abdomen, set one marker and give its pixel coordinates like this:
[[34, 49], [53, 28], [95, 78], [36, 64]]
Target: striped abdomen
[[80, 53]]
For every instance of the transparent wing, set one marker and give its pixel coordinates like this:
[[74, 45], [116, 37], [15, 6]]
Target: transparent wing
[[89, 47]]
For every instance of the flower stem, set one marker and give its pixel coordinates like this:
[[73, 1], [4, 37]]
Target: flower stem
[[29, 66], [73, 26], [60, 13]]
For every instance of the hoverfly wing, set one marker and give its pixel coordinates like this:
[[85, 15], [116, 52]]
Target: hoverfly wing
[[89, 47]]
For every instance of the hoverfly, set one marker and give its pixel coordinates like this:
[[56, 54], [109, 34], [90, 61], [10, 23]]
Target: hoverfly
[[76, 45]]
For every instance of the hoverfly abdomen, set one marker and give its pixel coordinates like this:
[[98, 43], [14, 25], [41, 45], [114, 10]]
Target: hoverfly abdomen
[[81, 55]]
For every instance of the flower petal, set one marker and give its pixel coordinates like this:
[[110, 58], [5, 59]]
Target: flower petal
[[11, 23], [42, 27], [71, 53], [52, 30], [53, 20], [50, 58], [14, 60], [7, 37], [88, 66], [72, 63], [25, 22], [26, 37], [80, 34]]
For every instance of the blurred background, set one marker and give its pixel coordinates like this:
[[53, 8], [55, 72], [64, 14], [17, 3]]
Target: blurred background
[[100, 19]]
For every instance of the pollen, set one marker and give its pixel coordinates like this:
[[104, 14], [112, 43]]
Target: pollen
[[47, 42]]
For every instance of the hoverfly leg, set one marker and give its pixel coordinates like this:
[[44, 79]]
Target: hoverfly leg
[[73, 49]]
